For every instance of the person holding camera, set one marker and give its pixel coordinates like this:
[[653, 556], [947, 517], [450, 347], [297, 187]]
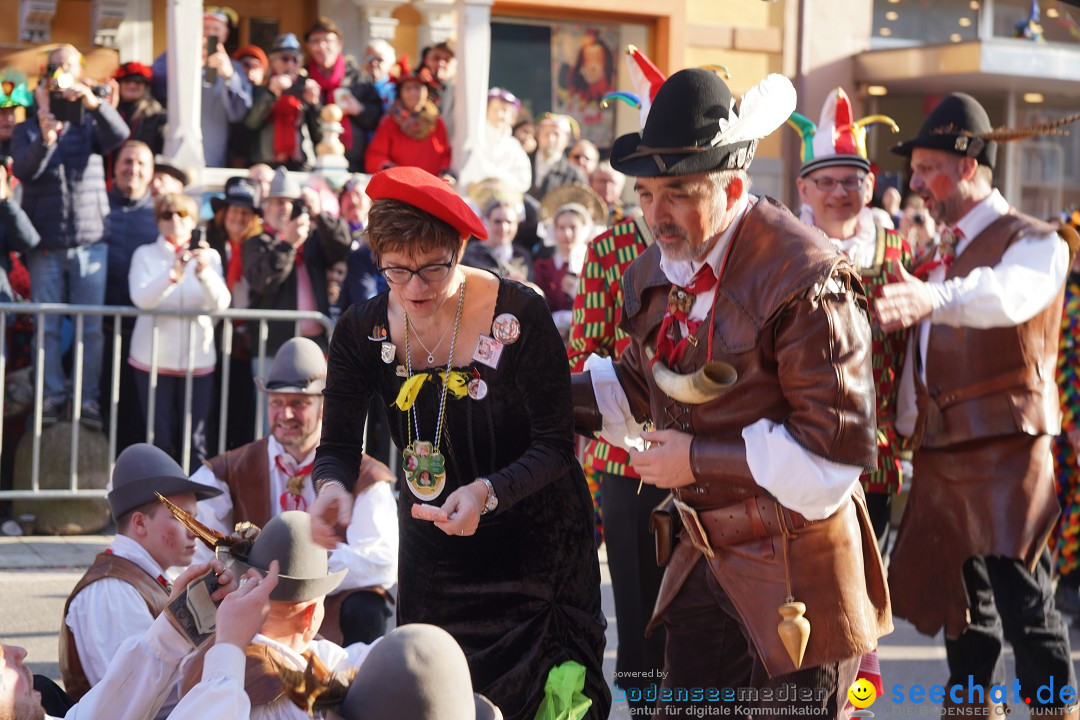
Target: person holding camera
[[286, 265], [285, 112], [226, 92], [170, 274], [17, 233], [58, 155]]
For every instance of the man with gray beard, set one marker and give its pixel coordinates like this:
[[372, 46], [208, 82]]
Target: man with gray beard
[[746, 390]]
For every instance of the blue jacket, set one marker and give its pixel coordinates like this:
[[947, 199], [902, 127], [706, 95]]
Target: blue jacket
[[64, 185], [130, 223]]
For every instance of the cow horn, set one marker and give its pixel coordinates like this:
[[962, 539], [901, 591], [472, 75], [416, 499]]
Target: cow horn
[[707, 383]]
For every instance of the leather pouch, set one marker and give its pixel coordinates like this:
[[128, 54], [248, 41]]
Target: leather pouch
[[665, 525]]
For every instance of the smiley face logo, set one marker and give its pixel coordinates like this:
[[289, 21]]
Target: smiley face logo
[[862, 693]]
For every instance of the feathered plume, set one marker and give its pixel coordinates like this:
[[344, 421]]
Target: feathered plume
[[764, 107], [238, 544], [1051, 127], [315, 688]]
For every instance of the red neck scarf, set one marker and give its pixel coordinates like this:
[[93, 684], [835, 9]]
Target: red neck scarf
[[292, 499], [680, 300], [285, 115], [950, 238], [330, 83], [235, 272]]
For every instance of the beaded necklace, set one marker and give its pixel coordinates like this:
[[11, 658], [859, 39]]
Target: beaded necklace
[[425, 466]]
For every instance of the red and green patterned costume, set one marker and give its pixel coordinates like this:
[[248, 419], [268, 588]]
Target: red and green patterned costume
[[889, 350], [595, 329], [1066, 539]]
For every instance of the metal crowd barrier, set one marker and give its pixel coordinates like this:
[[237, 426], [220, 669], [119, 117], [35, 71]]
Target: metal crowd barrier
[[78, 312]]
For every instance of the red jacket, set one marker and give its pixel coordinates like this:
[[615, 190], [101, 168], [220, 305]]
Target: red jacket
[[391, 147]]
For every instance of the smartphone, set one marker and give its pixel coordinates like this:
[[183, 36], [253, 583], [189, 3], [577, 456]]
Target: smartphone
[[296, 90], [210, 75]]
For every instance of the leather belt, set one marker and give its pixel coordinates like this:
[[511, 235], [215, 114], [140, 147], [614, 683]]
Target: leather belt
[[755, 518]]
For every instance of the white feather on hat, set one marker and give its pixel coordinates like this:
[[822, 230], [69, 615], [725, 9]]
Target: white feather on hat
[[763, 109]]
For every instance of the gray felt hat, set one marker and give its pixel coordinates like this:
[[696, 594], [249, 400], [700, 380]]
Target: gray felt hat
[[143, 469], [303, 565], [298, 367], [416, 672], [284, 185]]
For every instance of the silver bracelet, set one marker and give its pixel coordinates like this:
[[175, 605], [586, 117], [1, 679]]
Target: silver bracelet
[[323, 483]]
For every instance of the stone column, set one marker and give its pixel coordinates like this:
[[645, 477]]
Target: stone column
[[377, 19], [184, 140], [436, 22], [473, 57], [135, 36]]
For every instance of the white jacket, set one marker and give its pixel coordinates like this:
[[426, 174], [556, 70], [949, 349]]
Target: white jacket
[[152, 289]]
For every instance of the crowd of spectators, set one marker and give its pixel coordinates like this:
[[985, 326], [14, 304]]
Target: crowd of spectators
[[102, 217]]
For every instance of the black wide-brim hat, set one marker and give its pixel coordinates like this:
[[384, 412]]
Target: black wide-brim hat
[[693, 126], [954, 126], [239, 191], [142, 470]]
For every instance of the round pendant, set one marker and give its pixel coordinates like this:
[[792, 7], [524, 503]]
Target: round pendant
[[425, 470], [477, 389], [506, 329]]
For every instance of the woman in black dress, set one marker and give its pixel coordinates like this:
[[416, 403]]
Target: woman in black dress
[[496, 523]]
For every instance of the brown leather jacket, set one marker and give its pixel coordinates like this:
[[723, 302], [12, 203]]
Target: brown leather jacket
[[106, 565], [790, 318], [262, 681]]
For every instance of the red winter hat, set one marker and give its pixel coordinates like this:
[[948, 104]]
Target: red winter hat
[[253, 51], [426, 192], [134, 70]]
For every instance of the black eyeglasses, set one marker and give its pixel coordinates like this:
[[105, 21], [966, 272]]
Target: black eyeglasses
[[169, 214], [828, 184], [433, 273]]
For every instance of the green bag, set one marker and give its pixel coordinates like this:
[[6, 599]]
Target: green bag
[[563, 697]]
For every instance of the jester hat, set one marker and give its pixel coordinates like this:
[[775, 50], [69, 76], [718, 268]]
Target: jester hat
[[646, 79], [13, 90], [838, 139]]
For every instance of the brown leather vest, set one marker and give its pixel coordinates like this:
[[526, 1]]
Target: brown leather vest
[[262, 683], [989, 382], [771, 316], [106, 565], [246, 470]]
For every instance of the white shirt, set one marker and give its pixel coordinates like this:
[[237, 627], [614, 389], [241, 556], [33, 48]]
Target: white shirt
[[809, 484], [1023, 283], [370, 553], [139, 680], [220, 694], [335, 658], [105, 613], [861, 247], [498, 155]]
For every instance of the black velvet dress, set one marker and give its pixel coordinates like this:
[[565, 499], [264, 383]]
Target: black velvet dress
[[522, 595]]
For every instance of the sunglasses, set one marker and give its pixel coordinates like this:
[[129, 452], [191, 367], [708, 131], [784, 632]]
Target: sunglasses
[[169, 214]]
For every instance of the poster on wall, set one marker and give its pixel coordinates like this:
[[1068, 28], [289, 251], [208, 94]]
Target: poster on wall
[[583, 70]]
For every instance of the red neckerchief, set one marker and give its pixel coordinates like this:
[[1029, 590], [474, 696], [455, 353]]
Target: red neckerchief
[[235, 271], [285, 115], [291, 499], [328, 84], [680, 300], [161, 579], [177, 248], [950, 238]]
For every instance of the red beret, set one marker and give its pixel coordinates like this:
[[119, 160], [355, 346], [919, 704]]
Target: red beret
[[426, 192], [134, 69]]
